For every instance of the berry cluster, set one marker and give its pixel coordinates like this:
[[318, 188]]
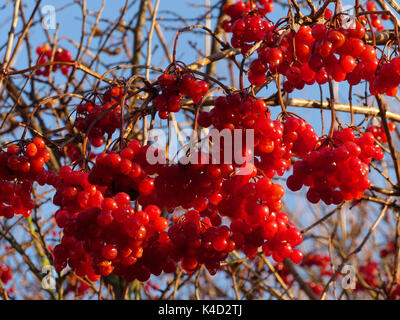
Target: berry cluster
[[126, 171], [313, 54], [237, 10], [338, 170], [369, 273], [371, 277], [45, 54], [388, 250], [19, 169], [187, 186], [157, 257], [387, 78], [74, 192], [217, 191], [254, 207], [282, 236], [91, 112], [110, 237], [248, 30], [102, 235], [196, 242], [214, 193], [320, 261], [72, 152], [376, 20], [174, 86], [275, 142], [5, 273], [379, 131]]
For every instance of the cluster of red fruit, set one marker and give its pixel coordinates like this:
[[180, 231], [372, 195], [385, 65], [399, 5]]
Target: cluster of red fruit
[[112, 237], [5, 273], [19, 169], [188, 186], [82, 198], [309, 261], [388, 250], [214, 191], [101, 234], [275, 142], [338, 170], [126, 171], [174, 86], [237, 10], [256, 219], [196, 242], [248, 30], [60, 54], [73, 191], [312, 54], [74, 155], [217, 190], [369, 273], [376, 20], [320, 261], [105, 121], [254, 209], [379, 131]]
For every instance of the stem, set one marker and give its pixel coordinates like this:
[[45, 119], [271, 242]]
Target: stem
[[332, 106]]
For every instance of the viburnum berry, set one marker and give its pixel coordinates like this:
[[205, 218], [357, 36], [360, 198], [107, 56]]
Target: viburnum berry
[[5, 273], [341, 53], [369, 273], [45, 53], [376, 21], [339, 172], [174, 86], [88, 114], [236, 10], [248, 29], [124, 171], [104, 235], [389, 249], [379, 131], [19, 170]]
